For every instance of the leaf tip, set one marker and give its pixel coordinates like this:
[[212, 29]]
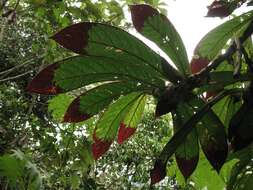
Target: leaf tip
[[74, 37], [43, 82], [140, 13], [125, 133], [158, 172], [73, 113], [100, 147]]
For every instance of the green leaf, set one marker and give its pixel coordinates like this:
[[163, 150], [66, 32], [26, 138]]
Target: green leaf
[[109, 122], [80, 71], [187, 154], [11, 168], [96, 99], [129, 123], [156, 27], [213, 42], [205, 177], [58, 105], [105, 40]]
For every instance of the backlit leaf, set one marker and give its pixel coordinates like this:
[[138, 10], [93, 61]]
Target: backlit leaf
[[96, 99], [212, 43], [44, 83], [129, 123], [105, 40], [108, 124], [157, 27]]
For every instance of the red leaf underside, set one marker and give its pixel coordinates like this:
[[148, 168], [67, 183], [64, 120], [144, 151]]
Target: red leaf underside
[[44, 83], [197, 64], [187, 167], [74, 37], [100, 147], [158, 172], [125, 133], [218, 9], [140, 13], [73, 114]]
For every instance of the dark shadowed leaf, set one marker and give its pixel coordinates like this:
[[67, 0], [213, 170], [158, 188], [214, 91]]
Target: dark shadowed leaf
[[221, 8], [212, 135], [44, 82], [240, 131], [187, 154], [157, 27], [158, 173], [129, 123], [170, 98]]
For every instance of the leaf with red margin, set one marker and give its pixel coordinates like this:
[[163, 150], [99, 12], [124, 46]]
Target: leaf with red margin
[[107, 41], [74, 37], [96, 99], [125, 133], [157, 27], [187, 154], [44, 82], [240, 131], [129, 123], [108, 124], [213, 140], [158, 173], [73, 114], [100, 147]]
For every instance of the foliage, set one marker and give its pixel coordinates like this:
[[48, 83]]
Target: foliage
[[106, 87]]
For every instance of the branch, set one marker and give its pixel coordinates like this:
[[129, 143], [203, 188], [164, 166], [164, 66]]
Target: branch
[[15, 77]]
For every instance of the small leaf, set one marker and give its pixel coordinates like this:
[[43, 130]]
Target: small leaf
[[158, 173], [125, 133], [197, 64], [157, 27], [44, 82], [73, 113], [100, 147]]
